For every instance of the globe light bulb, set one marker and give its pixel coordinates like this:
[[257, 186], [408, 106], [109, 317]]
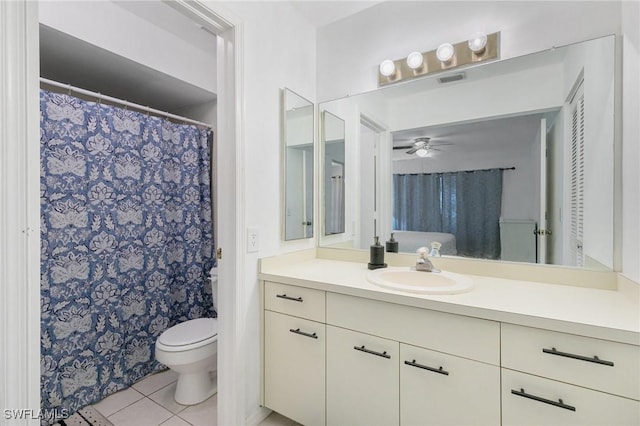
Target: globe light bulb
[[387, 68], [415, 60], [477, 43], [445, 52]]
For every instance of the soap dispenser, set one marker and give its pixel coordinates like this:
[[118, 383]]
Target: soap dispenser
[[392, 245], [376, 260], [435, 249]]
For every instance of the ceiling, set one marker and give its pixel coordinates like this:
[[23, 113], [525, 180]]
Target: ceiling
[[321, 13], [497, 135]]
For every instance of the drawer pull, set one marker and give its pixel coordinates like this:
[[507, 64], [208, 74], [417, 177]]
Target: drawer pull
[[284, 296], [424, 367], [595, 359], [558, 404], [369, 351], [302, 333]]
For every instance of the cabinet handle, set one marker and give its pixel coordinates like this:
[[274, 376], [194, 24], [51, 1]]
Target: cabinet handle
[[595, 359], [558, 404], [302, 333], [284, 296], [424, 367], [369, 351]]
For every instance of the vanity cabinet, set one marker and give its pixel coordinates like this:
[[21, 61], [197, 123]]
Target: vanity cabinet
[[362, 378], [294, 353], [552, 378], [337, 359], [442, 389]]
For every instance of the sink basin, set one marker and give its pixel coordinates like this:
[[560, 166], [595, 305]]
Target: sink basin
[[412, 281]]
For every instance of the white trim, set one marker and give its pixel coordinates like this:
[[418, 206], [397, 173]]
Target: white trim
[[20, 210]]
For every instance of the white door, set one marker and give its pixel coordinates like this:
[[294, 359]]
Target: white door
[[542, 222]]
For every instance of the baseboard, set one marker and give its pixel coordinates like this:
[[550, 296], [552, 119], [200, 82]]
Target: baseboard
[[257, 416]]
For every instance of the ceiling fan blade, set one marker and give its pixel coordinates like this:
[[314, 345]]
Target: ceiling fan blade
[[402, 146], [413, 150]]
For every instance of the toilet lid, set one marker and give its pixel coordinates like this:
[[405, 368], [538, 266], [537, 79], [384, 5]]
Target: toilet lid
[[190, 332]]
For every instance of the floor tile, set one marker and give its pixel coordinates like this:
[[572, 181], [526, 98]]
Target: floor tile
[[175, 421], [165, 398], [117, 401], [203, 414], [156, 381], [143, 413]]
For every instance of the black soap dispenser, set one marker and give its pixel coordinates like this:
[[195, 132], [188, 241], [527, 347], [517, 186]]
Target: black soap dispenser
[[376, 260], [392, 245]]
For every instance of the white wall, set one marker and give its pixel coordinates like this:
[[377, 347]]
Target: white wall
[[631, 140], [107, 25], [279, 51]]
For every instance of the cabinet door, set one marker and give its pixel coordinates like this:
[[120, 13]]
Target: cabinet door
[[441, 389], [294, 367], [532, 400], [362, 379]]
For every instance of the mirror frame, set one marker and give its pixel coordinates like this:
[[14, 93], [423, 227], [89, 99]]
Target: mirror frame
[[284, 144]]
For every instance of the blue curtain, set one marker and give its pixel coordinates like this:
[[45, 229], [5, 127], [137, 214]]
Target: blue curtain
[[465, 204], [126, 243]]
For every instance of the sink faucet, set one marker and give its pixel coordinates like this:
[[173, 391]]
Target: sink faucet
[[423, 264]]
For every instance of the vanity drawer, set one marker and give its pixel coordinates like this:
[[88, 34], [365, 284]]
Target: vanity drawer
[[453, 334], [297, 301], [593, 363], [532, 400]]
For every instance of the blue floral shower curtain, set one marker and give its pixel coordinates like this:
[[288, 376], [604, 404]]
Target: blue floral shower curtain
[[126, 243], [465, 204]]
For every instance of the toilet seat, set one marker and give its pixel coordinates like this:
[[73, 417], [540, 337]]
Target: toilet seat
[[189, 335]]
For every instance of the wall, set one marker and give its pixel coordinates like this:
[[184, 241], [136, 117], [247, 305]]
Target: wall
[[525, 26], [631, 140], [279, 51], [113, 27]]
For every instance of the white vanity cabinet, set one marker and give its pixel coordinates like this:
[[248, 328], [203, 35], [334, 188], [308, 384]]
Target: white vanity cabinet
[[552, 378], [441, 389], [362, 379], [294, 352]]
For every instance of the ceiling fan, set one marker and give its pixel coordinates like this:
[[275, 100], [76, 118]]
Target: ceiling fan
[[422, 147]]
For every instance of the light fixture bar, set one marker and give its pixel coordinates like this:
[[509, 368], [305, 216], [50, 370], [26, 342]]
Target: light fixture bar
[[462, 56]]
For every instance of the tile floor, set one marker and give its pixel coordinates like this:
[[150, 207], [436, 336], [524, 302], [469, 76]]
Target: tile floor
[[150, 402]]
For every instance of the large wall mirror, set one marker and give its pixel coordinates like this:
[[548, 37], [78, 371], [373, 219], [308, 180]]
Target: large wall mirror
[[513, 160], [297, 147]]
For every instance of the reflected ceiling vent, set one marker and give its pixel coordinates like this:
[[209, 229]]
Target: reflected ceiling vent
[[452, 77]]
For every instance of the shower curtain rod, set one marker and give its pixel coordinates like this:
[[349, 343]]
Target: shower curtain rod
[[122, 102], [458, 171]]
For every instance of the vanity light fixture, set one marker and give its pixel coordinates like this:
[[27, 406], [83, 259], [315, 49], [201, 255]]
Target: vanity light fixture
[[415, 60], [478, 48], [478, 43], [445, 52]]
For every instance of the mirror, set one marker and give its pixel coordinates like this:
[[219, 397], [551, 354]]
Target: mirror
[[334, 186], [297, 143], [512, 160]]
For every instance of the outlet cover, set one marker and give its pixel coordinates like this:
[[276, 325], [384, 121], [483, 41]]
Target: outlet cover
[[253, 240]]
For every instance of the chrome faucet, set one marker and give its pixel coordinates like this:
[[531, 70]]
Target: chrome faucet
[[423, 264]]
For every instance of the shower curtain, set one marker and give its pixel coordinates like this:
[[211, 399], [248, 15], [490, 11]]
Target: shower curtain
[[126, 243]]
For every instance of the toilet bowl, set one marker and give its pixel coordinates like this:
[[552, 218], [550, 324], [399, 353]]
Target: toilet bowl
[[190, 349]]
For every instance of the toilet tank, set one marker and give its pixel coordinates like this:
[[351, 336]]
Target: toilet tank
[[517, 240]]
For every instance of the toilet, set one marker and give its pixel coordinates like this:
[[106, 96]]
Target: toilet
[[190, 349]]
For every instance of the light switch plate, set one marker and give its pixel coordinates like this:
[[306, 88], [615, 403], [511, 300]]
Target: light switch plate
[[253, 240]]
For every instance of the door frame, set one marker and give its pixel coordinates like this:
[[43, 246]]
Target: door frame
[[20, 203]]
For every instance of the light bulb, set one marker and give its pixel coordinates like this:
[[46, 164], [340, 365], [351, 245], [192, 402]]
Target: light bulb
[[445, 52], [422, 152], [415, 60], [387, 68], [477, 43]]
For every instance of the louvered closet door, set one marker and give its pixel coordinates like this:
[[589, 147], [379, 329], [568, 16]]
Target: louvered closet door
[[577, 178]]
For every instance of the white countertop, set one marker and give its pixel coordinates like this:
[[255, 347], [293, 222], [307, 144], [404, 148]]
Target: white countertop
[[604, 314]]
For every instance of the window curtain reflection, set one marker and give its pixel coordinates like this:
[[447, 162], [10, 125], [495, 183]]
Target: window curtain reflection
[[126, 244], [465, 204]]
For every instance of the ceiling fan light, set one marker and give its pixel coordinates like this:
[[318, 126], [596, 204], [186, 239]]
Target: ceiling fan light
[[423, 152]]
